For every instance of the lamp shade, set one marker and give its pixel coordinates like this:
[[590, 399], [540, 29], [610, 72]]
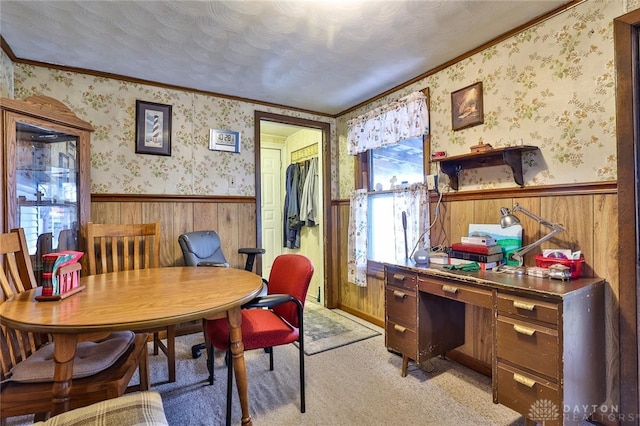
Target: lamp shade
[[507, 219]]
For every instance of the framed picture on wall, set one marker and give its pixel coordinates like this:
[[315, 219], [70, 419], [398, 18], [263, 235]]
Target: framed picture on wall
[[466, 107], [153, 128]]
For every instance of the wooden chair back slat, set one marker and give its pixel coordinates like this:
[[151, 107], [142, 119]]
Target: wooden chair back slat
[[16, 276], [114, 255], [7, 288], [113, 248]]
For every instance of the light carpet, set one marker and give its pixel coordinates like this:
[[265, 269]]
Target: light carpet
[[356, 384], [324, 329]]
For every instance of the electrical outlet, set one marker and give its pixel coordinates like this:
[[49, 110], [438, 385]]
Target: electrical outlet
[[432, 183], [232, 181]]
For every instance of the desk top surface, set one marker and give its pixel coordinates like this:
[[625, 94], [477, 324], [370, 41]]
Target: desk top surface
[[135, 300], [545, 287]]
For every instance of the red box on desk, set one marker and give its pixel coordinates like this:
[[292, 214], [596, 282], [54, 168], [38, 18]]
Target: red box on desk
[[575, 265]]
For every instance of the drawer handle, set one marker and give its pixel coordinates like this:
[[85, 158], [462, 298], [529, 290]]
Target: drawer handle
[[449, 289], [523, 305], [524, 330], [399, 277], [399, 328], [524, 380], [399, 294]]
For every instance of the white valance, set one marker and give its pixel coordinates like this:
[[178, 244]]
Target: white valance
[[405, 118]]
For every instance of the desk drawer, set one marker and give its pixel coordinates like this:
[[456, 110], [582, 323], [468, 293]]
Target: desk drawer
[[528, 345], [453, 290], [528, 308], [524, 392], [401, 305], [400, 278], [401, 339]]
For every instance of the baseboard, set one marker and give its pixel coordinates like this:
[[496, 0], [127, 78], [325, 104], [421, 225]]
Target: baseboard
[[362, 315]]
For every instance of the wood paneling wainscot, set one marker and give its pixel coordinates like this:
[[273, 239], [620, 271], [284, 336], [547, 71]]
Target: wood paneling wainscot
[[233, 218]]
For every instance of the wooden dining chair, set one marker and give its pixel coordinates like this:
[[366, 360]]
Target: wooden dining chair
[[26, 358], [113, 248]]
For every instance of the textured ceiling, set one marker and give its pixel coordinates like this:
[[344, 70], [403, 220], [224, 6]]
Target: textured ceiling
[[325, 56]]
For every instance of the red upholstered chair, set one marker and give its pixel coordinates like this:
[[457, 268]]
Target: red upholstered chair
[[272, 320]]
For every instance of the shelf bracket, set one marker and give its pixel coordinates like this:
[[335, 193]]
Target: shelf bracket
[[514, 160]]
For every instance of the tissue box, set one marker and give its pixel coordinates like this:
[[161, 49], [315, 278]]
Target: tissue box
[[575, 265]]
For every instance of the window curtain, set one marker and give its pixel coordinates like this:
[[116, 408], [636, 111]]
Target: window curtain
[[405, 118], [357, 238], [415, 203]]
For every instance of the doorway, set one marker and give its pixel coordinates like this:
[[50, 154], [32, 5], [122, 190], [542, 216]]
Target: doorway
[[627, 55], [282, 141]]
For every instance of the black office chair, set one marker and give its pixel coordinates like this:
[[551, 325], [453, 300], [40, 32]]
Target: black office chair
[[203, 248]]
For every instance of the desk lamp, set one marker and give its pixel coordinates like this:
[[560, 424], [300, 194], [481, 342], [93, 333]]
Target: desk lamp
[[508, 219]]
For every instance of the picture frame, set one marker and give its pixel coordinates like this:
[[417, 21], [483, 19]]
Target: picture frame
[[153, 128], [224, 140], [467, 107]]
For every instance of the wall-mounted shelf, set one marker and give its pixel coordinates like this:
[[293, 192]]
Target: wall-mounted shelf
[[510, 156]]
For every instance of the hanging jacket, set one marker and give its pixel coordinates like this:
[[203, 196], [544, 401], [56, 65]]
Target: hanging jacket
[[309, 199]]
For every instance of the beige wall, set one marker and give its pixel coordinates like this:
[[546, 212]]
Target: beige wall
[[6, 76]]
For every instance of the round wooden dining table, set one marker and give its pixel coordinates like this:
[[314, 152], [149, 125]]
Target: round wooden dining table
[[136, 300]]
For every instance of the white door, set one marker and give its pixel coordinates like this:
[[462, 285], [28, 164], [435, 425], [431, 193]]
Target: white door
[[272, 205]]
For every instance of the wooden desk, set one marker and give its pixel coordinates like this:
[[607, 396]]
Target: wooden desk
[[137, 300], [547, 335]]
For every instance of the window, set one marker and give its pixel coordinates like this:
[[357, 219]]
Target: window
[[381, 227], [377, 138], [397, 164], [386, 167]]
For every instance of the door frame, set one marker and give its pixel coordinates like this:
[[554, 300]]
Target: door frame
[[626, 33], [330, 294]]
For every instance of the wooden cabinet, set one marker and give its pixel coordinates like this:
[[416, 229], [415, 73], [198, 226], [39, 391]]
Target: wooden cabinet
[[414, 321], [548, 359], [401, 315], [46, 166], [549, 363]]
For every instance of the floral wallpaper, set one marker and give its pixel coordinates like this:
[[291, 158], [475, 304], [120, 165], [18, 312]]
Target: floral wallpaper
[[552, 86], [109, 105], [6, 75]]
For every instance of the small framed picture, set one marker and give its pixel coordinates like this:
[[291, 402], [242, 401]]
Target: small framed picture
[[224, 140], [466, 107], [153, 128]]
